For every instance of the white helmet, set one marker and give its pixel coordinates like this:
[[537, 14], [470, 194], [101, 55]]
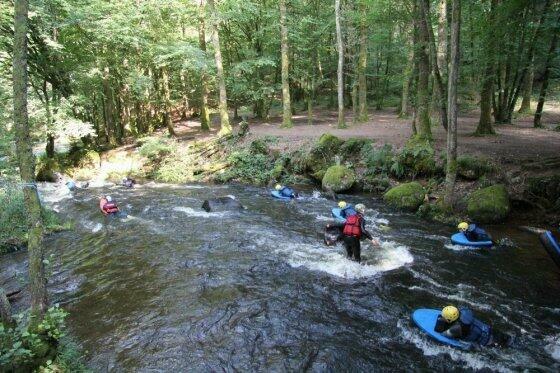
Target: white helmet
[[109, 198], [360, 208]]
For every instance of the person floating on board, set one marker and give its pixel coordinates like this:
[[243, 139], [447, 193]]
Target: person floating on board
[[461, 324], [128, 182], [346, 209], [473, 232], [285, 191], [71, 185], [353, 230], [108, 206]]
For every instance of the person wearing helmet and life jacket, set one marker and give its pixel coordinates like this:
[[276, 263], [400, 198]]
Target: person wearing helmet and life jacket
[[346, 209], [128, 182], [354, 230], [108, 206], [473, 232], [285, 191]]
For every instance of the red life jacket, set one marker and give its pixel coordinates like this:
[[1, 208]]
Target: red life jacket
[[110, 208], [352, 227]]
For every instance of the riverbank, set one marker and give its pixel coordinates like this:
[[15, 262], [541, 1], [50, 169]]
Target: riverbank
[[376, 156]]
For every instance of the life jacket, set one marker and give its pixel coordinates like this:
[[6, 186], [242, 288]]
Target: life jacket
[[108, 207], [348, 211], [287, 192], [352, 227], [479, 332]]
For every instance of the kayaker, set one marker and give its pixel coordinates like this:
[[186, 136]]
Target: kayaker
[[473, 232], [353, 230], [285, 191], [108, 206], [461, 324], [346, 209], [71, 185]]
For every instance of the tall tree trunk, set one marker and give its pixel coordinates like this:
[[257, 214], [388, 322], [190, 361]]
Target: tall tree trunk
[[422, 92], [407, 83], [167, 120], [286, 103], [362, 66], [528, 89], [439, 85], [453, 81], [340, 72], [487, 100], [204, 112], [108, 108], [224, 118], [442, 37], [548, 66], [26, 161]]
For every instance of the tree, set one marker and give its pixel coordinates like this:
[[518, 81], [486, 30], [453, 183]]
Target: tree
[[340, 70], [422, 91], [287, 110], [453, 81], [224, 117], [26, 161], [204, 112], [362, 66], [528, 89]]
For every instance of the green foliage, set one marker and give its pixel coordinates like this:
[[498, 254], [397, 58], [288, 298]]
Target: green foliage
[[22, 348], [489, 205], [338, 179], [155, 148], [408, 196], [472, 168], [354, 146], [378, 160], [417, 158], [375, 183], [247, 167]]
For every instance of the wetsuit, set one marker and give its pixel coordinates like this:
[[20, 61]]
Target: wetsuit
[[351, 240], [287, 192], [348, 211], [467, 328], [476, 234]]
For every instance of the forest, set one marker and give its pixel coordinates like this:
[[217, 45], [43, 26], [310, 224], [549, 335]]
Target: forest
[[445, 110]]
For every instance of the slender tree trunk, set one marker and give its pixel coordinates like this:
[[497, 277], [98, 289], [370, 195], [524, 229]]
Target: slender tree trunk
[[422, 93], [407, 82], [204, 112], [548, 66], [286, 103], [487, 100], [26, 161], [224, 118], [453, 81], [108, 108], [362, 66], [167, 120], [442, 37], [340, 75], [528, 89]]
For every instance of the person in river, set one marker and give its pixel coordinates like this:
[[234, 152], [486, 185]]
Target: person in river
[[108, 206], [346, 209], [285, 191], [128, 182], [354, 230], [461, 324], [473, 232]]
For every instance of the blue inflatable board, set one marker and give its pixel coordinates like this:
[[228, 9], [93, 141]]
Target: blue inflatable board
[[461, 239], [426, 319], [276, 194], [336, 215], [551, 246]]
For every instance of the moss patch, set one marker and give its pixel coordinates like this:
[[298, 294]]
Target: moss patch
[[489, 205], [407, 196], [338, 179], [471, 168]]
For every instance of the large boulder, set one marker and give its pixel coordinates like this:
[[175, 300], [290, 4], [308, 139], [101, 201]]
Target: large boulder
[[322, 155], [489, 205], [227, 203], [338, 179], [408, 196]]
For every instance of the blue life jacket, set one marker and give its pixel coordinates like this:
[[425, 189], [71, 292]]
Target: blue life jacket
[[70, 185], [475, 233], [348, 211], [479, 332], [287, 192]]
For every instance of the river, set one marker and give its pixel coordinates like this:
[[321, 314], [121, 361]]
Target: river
[[173, 288]]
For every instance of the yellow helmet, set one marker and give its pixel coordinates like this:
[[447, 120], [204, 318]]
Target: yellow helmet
[[278, 187], [463, 226], [450, 313], [342, 204]]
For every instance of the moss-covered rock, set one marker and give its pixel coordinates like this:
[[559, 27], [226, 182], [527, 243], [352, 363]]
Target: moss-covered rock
[[46, 172], [322, 155], [330, 141], [407, 196], [489, 205], [353, 146], [338, 179], [471, 168]]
